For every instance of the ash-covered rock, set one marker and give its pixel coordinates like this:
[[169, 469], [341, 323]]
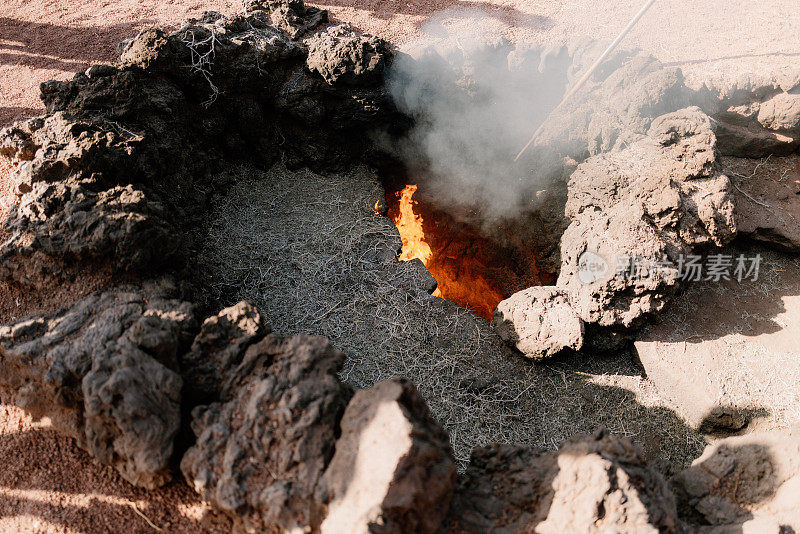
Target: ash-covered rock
[[591, 484], [635, 213], [781, 113], [262, 450], [763, 123], [539, 322], [341, 55], [393, 470], [623, 98], [105, 372]]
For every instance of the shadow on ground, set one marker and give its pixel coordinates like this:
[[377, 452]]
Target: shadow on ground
[[47, 480], [70, 48], [10, 114], [430, 12]]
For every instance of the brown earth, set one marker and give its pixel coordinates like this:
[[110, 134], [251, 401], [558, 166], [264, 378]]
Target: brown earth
[[56, 487], [49, 39], [47, 484]]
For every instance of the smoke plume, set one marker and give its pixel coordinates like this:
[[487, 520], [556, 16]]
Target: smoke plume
[[476, 100]]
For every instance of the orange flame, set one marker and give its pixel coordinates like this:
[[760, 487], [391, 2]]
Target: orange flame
[[410, 226], [469, 269]]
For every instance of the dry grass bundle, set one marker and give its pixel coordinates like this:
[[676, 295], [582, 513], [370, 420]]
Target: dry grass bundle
[[311, 253]]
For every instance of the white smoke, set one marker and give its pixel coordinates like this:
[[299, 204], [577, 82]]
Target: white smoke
[[477, 99]]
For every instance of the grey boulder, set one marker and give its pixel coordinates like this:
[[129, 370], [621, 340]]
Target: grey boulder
[[539, 322]]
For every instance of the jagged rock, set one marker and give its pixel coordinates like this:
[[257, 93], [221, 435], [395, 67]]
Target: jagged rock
[[539, 322], [137, 121], [591, 484], [262, 450], [162, 118], [56, 226], [742, 483], [105, 372], [219, 348], [291, 16], [623, 98], [781, 113], [17, 142], [132, 404], [148, 50], [635, 213], [393, 470], [57, 146], [343, 56]]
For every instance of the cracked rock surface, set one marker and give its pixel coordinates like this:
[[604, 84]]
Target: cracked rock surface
[[635, 213], [105, 372], [393, 469], [262, 449], [539, 322]]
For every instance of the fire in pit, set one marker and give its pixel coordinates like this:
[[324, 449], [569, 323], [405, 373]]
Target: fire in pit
[[409, 224], [471, 269]]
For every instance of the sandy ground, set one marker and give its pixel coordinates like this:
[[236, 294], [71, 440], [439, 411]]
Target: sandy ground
[[51, 39], [46, 483], [55, 487]]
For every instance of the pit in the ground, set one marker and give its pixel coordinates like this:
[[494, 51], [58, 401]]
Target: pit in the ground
[[476, 265]]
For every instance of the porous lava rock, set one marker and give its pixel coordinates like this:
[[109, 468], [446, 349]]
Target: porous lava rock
[[218, 349], [291, 16], [636, 213], [624, 97], [598, 483], [262, 449], [118, 175], [53, 147], [59, 228], [393, 470], [341, 55], [105, 372], [119, 171], [539, 322]]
